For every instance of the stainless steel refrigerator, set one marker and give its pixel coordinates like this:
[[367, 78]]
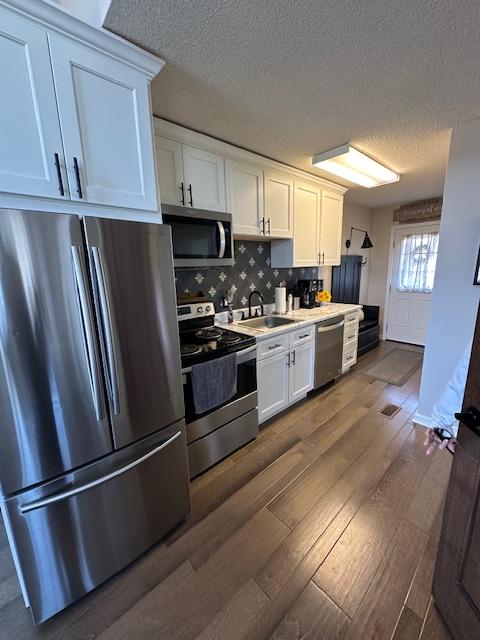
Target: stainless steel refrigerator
[[93, 462]]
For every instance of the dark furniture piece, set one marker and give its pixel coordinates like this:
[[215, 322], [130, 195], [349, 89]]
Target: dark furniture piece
[[368, 329], [346, 280], [346, 288]]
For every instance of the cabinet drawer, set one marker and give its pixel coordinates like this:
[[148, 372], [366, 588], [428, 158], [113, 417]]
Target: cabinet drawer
[[350, 334], [349, 356], [302, 335], [351, 318], [273, 345]]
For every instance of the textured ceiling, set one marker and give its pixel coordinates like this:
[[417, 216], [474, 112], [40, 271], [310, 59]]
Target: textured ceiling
[[290, 78]]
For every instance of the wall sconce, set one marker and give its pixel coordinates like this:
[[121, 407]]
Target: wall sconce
[[366, 244]]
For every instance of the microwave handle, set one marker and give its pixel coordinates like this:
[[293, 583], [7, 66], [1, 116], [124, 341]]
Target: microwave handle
[[223, 244]]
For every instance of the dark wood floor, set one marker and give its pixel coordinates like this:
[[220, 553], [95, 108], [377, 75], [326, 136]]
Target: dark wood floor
[[325, 527]]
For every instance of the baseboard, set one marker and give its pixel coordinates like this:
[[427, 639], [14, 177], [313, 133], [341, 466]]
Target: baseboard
[[423, 421]]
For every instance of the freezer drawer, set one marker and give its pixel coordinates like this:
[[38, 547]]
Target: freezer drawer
[[75, 532]]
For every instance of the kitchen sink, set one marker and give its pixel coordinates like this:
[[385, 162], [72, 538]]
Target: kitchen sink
[[266, 322]]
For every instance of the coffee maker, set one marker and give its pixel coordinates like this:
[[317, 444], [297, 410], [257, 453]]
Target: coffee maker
[[308, 290]]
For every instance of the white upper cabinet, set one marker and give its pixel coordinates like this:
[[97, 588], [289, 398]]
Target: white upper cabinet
[[245, 197], [278, 204], [31, 145], [266, 199], [104, 109], [204, 174], [307, 211], [75, 116], [170, 170], [331, 229]]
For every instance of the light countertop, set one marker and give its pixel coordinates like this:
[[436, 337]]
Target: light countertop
[[302, 317]]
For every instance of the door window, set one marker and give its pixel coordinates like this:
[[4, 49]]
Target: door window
[[418, 259]]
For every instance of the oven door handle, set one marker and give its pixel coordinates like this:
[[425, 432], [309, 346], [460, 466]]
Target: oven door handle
[[240, 359], [223, 242]]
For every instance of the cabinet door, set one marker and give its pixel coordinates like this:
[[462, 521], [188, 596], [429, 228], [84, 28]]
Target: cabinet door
[[245, 197], [170, 171], [331, 229], [307, 202], [278, 204], [204, 179], [272, 381], [301, 370], [29, 129], [104, 108]]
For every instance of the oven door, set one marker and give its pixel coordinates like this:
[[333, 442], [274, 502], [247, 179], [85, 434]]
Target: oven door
[[245, 400], [200, 238]]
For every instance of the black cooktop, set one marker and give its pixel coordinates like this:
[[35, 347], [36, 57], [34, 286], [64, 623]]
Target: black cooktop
[[210, 342]]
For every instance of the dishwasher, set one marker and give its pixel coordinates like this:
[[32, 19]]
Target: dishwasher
[[328, 350]]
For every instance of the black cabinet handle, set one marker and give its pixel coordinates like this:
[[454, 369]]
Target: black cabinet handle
[[59, 175], [77, 176], [191, 195], [293, 357], [274, 346], [263, 225], [471, 419], [182, 189], [269, 228]]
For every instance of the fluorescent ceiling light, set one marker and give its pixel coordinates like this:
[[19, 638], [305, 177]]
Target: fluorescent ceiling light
[[350, 164]]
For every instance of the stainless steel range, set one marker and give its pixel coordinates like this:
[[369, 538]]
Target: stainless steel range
[[214, 434]]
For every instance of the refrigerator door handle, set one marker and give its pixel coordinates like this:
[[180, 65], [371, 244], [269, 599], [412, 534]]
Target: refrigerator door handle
[[86, 318], [70, 493], [107, 328]]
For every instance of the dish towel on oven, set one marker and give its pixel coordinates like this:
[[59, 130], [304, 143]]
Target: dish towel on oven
[[214, 382]]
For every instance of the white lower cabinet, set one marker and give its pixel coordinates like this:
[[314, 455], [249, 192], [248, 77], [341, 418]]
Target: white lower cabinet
[[302, 364], [272, 382], [286, 377], [350, 341]]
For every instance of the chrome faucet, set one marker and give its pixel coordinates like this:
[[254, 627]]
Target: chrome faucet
[[250, 304]]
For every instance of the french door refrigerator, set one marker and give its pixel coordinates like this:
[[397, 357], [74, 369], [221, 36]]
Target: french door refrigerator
[[93, 462]]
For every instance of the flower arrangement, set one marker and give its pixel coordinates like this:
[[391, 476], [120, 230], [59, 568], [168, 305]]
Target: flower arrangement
[[323, 297]]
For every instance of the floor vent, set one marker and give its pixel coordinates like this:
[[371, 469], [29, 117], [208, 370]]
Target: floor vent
[[390, 410]]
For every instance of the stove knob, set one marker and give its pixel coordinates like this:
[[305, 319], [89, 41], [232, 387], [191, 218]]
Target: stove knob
[[199, 309], [207, 309]]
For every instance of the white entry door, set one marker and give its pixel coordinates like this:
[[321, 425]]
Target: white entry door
[[413, 270]]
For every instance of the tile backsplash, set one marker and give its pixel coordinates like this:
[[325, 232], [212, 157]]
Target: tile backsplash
[[252, 270]]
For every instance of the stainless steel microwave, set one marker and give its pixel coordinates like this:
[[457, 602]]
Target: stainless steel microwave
[[200, 238]]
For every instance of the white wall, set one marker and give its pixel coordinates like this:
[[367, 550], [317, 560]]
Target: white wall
[[356, 215], [454, 298], [92, 11], [382, 223]]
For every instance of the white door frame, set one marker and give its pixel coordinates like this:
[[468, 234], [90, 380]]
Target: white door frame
[[391, 252]]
